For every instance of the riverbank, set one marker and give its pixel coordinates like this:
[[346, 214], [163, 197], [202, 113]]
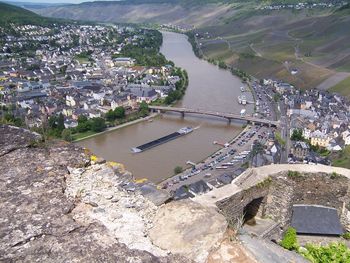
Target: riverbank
[[151, 116], [206, 159]]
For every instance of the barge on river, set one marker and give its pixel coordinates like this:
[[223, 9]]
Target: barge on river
[[167, 138]]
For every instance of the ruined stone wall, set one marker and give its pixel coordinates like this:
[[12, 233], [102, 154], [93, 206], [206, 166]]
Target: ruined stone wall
[[233, 207], [313, 189], [281, 191]]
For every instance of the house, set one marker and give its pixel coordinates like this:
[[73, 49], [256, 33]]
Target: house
[[146, 94], [163, 91], [123, 61], [300, 149], [182, 193], [318, 138], [199, 187], [70, 124], [70, 101], [225, 178], [282, 88], [347, 140]]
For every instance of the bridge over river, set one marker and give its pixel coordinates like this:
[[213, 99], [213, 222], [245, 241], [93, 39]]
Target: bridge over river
[[228, 116]]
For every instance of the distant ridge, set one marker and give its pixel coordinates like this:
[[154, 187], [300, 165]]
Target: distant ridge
[[10, 14]]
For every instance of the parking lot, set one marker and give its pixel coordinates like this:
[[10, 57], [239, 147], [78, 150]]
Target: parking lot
[[229, 161]]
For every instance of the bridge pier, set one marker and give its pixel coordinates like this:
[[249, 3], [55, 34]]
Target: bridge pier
[[183, 114], [228, 121]]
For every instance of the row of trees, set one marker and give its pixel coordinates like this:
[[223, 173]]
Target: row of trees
[[180, 86], [55, 126], [117, 113], [94, 124]]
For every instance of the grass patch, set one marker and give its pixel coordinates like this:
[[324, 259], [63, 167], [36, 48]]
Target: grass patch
[[342, 159], [342, 87], [294, 174], [81, 135], [334, 175], [265, 183]]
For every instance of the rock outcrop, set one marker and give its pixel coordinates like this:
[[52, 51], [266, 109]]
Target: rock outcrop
[[46, 217], [188, 228], [60, 204]]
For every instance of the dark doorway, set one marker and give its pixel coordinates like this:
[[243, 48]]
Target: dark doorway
[[251, 209]]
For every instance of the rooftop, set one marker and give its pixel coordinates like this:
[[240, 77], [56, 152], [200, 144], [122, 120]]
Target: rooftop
[[316, 220]]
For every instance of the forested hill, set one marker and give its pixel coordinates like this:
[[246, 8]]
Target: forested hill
[[10, 14]]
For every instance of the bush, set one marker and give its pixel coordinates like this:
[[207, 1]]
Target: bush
[[294, 174], [334, 175], [97, 124], [178, 169], [67, 135], [289, 240], [334, 252], [346, 236]]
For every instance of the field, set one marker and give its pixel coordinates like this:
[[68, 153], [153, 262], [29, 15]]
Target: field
[[342, 159], [273, 43], [342, 87]]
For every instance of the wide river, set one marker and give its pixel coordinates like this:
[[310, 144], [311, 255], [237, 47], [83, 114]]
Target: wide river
[[209, 88]]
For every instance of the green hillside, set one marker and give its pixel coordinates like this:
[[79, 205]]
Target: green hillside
[[16, 15]]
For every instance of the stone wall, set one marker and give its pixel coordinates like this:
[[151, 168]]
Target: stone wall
[[234, 206]]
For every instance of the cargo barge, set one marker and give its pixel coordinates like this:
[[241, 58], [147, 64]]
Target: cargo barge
[[167, 138]]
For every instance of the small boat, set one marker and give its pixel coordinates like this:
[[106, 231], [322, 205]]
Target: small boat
[[185, 130], [242, 100]]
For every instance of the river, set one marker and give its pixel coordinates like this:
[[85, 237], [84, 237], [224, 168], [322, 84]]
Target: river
[[209, 88]]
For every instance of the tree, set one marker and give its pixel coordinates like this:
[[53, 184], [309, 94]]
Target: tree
[[60, 122], [82, 119], [178, 169], [97, 124], [110, 115], [67, 135], [297, 135], [276, 97], [144, 108], [52, 122], [83, 124], [222, 65], [119, 112]]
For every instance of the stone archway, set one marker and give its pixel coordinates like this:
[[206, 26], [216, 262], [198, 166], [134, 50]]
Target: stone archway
[[252, 209]]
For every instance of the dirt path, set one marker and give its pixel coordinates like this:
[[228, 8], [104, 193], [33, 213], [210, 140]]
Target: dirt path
[[254, 50], [333, 80]]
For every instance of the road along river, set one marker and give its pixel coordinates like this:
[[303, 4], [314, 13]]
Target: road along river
[[209, 88]]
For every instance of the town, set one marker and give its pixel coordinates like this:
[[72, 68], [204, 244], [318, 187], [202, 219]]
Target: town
[[72, 80], [314, 129], [305, 5]]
